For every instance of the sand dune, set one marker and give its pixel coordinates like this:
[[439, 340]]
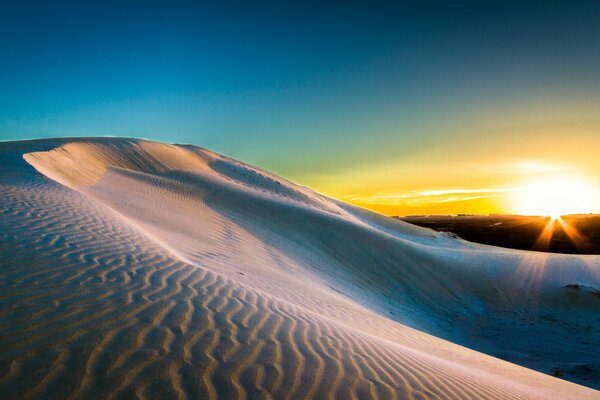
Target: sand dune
[[131, 269]]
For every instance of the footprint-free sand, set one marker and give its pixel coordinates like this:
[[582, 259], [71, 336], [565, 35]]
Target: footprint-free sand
[[137, 269]]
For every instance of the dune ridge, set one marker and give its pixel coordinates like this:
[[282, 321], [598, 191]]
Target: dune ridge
[[161, 271]]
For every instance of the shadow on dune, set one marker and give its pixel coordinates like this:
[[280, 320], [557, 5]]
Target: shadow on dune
[[298, 245]]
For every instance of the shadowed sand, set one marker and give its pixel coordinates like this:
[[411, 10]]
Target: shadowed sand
[[148, 270]]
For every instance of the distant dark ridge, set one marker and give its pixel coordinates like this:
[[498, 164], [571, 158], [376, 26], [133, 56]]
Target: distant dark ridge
[[517, 231]]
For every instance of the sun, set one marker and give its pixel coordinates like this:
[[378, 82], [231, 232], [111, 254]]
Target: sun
[[557, 196]]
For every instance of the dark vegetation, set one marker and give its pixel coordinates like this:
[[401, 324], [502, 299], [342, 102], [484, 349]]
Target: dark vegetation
[[519, 232]]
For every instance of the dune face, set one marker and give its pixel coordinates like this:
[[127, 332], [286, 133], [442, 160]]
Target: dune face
[[138, 269]]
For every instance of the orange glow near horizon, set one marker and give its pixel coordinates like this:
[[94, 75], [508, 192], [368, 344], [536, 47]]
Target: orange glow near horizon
[[519, 187], [488, 168]]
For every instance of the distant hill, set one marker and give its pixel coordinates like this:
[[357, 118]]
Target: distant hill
[[519, 232]]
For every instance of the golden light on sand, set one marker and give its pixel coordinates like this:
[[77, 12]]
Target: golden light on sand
[[557, 196]]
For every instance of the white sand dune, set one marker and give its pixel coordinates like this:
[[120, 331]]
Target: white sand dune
[[147, 270]]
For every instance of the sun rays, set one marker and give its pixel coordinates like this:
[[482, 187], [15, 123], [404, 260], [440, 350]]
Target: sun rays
[[544, 240], [575, 236]]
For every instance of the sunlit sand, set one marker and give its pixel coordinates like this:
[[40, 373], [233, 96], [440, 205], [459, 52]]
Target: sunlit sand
[[136, 269]]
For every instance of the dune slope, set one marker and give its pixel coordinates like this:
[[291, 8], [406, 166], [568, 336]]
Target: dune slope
[[132, 268]]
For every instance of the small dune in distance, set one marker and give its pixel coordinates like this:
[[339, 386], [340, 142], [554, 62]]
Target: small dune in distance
[[138, 269]]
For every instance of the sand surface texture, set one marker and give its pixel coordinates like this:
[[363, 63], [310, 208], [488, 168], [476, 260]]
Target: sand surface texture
[[135, 269]]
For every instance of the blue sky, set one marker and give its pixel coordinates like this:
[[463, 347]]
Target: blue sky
[[309, 90]]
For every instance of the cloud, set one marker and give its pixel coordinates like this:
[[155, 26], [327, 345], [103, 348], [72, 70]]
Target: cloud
[[527, 166], [444, 192], [427, 197]]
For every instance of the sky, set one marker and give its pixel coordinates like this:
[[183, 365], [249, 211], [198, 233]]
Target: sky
[[400, 107]]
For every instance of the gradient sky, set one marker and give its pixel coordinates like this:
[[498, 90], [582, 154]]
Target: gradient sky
[[404, 108]]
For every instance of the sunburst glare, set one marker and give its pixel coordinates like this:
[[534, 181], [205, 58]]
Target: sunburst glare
[[556, 196]]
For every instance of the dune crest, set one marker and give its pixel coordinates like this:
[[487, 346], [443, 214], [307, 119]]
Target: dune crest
[[83, 164], [172, 271]]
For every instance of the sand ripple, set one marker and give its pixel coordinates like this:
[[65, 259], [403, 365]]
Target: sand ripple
[[99, 299]]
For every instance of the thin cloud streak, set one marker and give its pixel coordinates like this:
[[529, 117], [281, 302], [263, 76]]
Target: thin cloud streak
[[462, 191], [427, 197]]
